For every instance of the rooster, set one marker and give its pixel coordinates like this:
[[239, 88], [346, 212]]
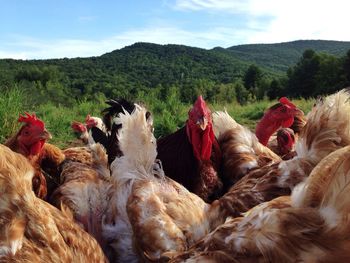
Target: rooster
[[311, 226], [30, 141], [191, 155], [327, 129], [116, 106], [31, 229]]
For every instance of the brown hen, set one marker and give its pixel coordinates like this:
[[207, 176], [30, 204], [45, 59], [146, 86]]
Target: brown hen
[[312, 226], [32, 230]]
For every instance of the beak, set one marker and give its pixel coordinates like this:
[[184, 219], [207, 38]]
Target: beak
[[202, 123], [45, 135]]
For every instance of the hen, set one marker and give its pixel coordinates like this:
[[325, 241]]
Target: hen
[[279, 115], [283, 142], [31, 230], [149, 214], [327, 129], [92, 131], [311, 227], [30, 142], [84, 188], [191, 155]]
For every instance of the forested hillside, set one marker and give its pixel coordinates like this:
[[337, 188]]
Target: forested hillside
[[281, 56], [242, 73]]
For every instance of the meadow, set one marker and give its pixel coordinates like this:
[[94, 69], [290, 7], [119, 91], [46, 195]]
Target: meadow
[[169, 113]]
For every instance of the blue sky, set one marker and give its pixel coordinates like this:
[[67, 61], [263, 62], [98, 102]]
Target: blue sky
[[38, 29]]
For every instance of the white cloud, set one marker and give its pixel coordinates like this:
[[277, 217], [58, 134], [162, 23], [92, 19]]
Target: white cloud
[[287, 20], [232, 6]]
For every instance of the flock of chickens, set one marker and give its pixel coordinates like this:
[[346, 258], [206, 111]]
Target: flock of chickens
[[213, 191]]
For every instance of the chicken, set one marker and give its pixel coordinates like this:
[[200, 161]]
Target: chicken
[[311, 226], [149, 214], [84, 188], [116, 106], [280, 114], [283, 142], [241, 150], [191, 155], [92, 131], [327, 129], [29, 141], [151, 217], [31, 230]]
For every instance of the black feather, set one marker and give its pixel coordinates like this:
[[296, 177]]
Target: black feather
[[99, 136], [116, 106]]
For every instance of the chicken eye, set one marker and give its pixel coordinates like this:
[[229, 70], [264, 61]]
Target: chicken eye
[[283, 110]]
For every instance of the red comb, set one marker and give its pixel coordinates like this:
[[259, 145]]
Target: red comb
[[31, 120], [286, 101], [78, 126], [87, 117]]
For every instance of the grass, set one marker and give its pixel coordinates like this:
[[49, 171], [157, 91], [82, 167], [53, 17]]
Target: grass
[[169, 114]]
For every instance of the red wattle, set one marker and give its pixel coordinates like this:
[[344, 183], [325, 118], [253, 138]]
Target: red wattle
[[36, 147]]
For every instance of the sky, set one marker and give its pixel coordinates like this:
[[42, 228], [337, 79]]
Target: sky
[[41, 29]]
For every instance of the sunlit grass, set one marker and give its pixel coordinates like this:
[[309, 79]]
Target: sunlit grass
[[169, 114]]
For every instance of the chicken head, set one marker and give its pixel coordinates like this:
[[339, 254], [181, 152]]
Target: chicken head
[[32, 135], [279, 115], [285, 140], [200, 130]]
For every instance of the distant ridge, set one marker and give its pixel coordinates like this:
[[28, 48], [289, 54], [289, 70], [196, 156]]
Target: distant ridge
[[280, 56]]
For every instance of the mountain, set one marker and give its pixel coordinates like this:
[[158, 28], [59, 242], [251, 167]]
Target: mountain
[[279, 57], [142, 66]]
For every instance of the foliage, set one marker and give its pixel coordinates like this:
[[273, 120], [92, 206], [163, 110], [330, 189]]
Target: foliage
[[251, 78], [281, 56], [11, 104], [192, 71]]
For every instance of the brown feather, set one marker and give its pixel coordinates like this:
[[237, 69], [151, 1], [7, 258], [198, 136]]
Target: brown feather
[[314, 227], [36, 231]]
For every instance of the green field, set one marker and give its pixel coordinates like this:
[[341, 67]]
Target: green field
[[169, 114]]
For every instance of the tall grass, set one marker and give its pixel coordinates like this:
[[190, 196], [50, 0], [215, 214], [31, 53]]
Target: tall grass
[[58, 119], [12, 102], [169, 114]]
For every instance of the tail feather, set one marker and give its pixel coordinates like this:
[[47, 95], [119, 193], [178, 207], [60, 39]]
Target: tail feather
[[223, 122], [327, 128], [136, 141], [328, 184], [328, 190]]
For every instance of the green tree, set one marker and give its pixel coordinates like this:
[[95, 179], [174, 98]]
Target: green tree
[[277, 88], [242, 94], [251, 79], [346, 68], [330, 77], [303, 76]]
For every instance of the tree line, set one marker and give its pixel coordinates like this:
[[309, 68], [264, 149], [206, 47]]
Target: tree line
[[185, 72]]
